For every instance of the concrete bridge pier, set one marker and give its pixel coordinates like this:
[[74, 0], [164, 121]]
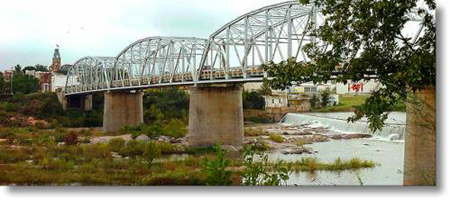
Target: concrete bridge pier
[[216, 116], [123, 108]]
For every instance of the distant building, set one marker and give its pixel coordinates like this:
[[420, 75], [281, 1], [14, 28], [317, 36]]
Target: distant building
[[45, 80], [53, 80], [56, 61], [58, 73], [360, 87], [58, 82], [252, 87], [7, 74]]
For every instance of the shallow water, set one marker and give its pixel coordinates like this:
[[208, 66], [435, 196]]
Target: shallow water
[[388, 155], [395, 124]]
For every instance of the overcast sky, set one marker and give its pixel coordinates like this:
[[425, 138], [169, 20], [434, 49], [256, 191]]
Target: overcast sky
[[30, 29]]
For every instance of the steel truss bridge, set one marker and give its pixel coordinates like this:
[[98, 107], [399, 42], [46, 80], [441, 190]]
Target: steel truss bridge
[[232, 54]]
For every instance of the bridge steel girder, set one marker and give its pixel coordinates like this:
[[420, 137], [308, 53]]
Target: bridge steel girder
[[232, 54], [272, 33], [89, 74]]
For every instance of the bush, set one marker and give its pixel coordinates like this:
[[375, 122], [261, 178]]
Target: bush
[[116, 144], [325, 98], [151, 151], [54, 123], [102, 150], [276, 138], [60, 135], [169, 148], [314, 101], [253, 132], [71, 138], [176, 128], [259, 145], [253, 100], [216, 170], [261, 173], [133, 148], [8, 107]]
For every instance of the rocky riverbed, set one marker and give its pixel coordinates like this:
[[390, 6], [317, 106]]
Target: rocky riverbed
[[327, 138]]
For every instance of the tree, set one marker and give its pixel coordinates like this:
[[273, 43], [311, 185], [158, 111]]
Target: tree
[[314, 101], [28, 68], [41, 68], [25, 84], [325, 97], [2, 81], [365, 39], [17, 69], [265, 89], [253, 100]]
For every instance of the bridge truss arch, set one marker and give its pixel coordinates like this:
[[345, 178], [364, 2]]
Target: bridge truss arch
[[90, 74], [156, 61], [233, 53], [272, 33]]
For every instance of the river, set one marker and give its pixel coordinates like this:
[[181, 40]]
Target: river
[[386, 149]]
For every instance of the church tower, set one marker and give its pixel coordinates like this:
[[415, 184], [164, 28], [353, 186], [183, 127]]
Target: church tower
[[56, 61]]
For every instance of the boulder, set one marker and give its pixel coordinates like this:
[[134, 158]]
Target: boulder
[[351, 136], [298, 150], [176, 140], [164, 138], [356, 136], [143, 138]]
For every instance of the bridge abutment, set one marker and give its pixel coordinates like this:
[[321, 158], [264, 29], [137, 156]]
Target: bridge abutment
[[216, 116], [122, 109]]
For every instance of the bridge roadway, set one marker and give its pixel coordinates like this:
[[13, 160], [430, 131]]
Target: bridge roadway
[[254, 74], [232, 54]]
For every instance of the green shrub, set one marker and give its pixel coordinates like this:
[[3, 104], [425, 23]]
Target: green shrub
[[325, 98], [261, 173], [314, 101], [60, 135], [151, 151], [152, 131], [116, 144], [55, 164], [216, 170], [169, 148], [276, 138], [175, 128], [102, 150], [6, 106], [133, 148], [253, 100], [253, 132]]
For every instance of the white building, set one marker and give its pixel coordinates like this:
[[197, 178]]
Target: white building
[[252, 87], [58, 81], [361, 87], [276, 101]]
